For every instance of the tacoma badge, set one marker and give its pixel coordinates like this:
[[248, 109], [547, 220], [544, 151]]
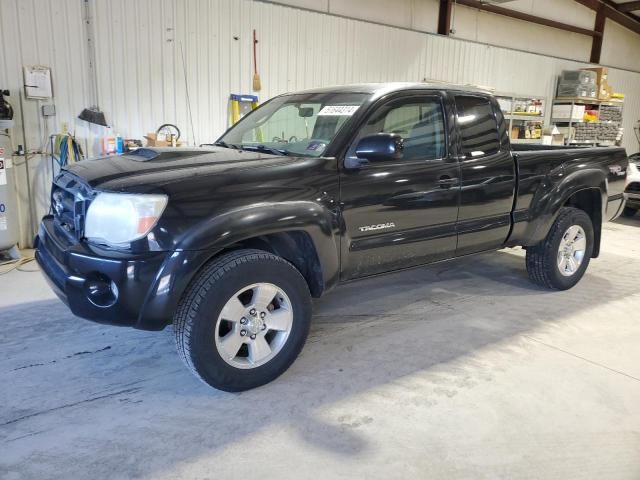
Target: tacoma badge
[[380, 226]]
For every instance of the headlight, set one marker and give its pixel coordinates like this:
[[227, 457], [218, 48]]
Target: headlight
[[120, 218]]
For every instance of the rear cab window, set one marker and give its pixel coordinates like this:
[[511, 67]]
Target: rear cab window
[[478, 127]]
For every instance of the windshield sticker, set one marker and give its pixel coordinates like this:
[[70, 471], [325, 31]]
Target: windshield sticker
[[316, 146], [347, 110]]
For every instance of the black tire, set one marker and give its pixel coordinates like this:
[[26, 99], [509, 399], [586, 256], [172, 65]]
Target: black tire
[[629, 212], [200, 306], [542, 259]]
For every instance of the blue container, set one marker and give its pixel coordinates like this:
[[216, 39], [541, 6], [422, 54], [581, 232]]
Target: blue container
[[119, 144]]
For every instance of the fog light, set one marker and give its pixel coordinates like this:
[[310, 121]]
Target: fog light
[[101, 290]]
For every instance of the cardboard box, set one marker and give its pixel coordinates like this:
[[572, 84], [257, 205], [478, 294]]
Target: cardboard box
[[154, 141], [564, 112], [602, 82], [604, 92], [557, 139]]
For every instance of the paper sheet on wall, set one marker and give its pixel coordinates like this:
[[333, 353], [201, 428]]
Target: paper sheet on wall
[[37, 82]]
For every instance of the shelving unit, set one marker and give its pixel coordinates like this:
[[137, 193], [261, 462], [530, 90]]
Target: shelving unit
[[526, 118], [586, 132], [522, 119], [530, 141]]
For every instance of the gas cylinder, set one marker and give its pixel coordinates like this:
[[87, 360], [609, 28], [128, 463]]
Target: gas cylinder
[[8, 202]]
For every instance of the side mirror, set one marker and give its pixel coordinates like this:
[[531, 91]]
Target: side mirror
[[380, 147]]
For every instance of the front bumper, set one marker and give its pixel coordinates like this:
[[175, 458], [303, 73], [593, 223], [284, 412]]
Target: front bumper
[[633, 200], [116, 291]]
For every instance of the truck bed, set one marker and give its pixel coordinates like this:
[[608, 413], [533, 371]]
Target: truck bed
[[542, 170]]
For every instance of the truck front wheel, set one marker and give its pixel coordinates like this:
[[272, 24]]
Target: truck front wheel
[[560, 260], [243, 320]]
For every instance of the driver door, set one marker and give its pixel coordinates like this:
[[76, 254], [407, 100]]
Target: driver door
[[401, 213]]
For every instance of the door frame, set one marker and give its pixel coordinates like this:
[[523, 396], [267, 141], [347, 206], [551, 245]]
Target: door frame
[[450, 156], [476, 226]]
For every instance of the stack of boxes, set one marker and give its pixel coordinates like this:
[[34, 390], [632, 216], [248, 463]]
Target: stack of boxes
[[591, 83], [578, 84], [611, 113], [607, 132], [610, 125], [600, 132], [585, 132]]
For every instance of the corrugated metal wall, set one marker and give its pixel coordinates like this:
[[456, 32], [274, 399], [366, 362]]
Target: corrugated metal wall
[[150, 51], [40, 32], [142, 69]]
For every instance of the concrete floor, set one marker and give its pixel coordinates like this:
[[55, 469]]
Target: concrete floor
[[459, 370]]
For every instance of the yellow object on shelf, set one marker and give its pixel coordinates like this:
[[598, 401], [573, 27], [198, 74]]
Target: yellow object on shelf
[[590, 117]]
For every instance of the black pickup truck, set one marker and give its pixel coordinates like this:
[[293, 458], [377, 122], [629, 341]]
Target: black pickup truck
[[229, 243]]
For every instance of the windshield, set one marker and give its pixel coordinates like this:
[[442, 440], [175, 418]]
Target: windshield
[[299, 124]]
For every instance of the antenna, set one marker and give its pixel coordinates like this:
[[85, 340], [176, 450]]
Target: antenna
[[186, 87]]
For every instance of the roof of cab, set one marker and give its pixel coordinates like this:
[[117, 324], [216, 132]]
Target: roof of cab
[[378, 89]]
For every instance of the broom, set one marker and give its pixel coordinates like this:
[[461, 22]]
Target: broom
[[257, 84]]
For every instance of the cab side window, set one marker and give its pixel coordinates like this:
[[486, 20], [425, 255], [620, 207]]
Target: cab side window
[[420, 122], [479, 134]]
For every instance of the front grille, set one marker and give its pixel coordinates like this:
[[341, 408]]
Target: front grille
[[634, 187], [70, 198]]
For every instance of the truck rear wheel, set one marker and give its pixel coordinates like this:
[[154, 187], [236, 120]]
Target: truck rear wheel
[[559, 262], [243, 320]]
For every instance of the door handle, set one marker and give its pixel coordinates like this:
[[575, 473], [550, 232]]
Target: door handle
[[447, 182]]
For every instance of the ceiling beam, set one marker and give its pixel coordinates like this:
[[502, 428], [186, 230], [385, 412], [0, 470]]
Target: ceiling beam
[[596, 45], [626, 20], [615, 6], [526, 17], [629, 6], [444, 17]]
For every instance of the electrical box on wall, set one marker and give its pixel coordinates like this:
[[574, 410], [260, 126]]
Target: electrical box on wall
[[37, 82], [48, 110]]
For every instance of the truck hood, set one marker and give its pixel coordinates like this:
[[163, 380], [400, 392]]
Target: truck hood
[[156, 167]]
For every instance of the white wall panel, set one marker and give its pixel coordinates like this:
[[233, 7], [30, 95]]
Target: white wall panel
[[566, 11], [399, 12], [141, 74], [620, 47], [297, 49], [472, 24]]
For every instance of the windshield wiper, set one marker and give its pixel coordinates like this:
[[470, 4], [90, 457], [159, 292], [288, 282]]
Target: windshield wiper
[[264, 148], [224, 144]]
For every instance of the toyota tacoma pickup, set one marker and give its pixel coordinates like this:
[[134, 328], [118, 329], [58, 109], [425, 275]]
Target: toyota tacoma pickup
[[229, 243]]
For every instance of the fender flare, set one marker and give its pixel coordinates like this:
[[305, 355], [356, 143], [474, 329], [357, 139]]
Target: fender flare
[[197, 246], [548, 205]]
